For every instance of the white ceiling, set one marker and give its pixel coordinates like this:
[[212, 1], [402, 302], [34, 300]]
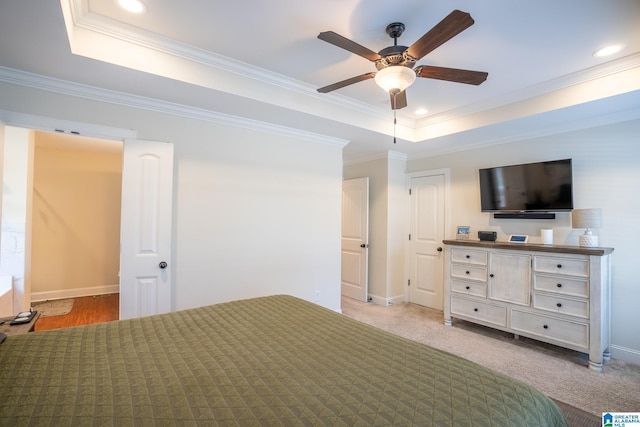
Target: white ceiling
[[263, 61]]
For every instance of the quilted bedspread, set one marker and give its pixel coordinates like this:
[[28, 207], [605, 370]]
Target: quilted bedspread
[[266, 361]]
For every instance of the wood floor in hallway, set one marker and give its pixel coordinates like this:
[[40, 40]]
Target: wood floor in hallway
[[85, 311]]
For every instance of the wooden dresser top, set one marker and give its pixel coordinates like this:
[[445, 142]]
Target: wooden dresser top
[[538, 247]]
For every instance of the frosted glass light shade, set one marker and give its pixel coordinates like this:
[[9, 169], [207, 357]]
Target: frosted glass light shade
[[395, 78]]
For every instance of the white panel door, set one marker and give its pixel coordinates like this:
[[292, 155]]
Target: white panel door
[[145, 234], [355, 235], [425, 244]]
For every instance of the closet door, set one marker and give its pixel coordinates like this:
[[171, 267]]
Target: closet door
[[425, 242]]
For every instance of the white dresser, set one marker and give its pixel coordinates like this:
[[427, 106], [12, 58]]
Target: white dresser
[[555, 294]]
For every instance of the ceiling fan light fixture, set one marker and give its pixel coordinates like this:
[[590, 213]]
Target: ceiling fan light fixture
[[395, 79]]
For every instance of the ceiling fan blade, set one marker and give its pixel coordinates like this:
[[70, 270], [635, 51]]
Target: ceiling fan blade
[[451, 74], [344, 43], [347, 82], [452, 25], [399, 100]]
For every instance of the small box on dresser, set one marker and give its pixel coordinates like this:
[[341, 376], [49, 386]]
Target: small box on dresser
[[555, 294]]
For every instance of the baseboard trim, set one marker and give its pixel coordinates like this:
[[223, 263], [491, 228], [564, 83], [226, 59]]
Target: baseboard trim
[[395, 300], [74, 293], [375, 299], [385, 301], [626, 354]]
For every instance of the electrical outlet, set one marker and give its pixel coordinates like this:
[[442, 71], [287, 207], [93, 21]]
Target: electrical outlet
[[317, 295]]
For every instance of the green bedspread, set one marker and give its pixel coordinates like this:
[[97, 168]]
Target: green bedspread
[[265, 361]]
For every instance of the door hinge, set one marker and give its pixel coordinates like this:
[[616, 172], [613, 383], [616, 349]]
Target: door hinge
[[409, 282], [409, 191], [409, 236]]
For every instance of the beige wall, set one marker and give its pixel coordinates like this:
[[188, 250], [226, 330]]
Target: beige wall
[[398, 212], [76, 216]]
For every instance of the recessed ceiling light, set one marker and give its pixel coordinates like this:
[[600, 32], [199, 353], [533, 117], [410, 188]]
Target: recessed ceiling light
[[608, 50], [133, 6], [421, 111]]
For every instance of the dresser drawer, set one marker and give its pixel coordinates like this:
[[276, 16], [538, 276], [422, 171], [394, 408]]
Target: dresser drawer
[[469, 272], [573, 334], [561, 285], [562, 305], [558, 265], [469, 256], [468, 287], [488, 313]]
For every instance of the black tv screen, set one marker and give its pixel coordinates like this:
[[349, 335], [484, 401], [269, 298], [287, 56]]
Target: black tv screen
[[534, 187]]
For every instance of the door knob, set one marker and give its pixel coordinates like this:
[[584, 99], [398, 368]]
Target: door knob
[[163, 265], [439, 249]]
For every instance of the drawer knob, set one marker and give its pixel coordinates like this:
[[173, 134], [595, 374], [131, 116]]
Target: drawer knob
[[491, 275], [475, 309], [559, 305], [467, 272], [468, 256], [559, 285], [467, 287], [559, 266], [545, 326]]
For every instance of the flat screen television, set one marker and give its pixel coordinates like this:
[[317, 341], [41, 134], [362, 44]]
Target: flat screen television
[[532, 187]]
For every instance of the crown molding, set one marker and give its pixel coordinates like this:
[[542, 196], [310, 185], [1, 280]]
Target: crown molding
[[82, 18], [85, 19], [64, 87], [527, 132], [86, 28], [584, 76], [396, 155], [388, 155]]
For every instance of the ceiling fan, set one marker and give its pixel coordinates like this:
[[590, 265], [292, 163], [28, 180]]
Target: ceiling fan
[[395, 63]]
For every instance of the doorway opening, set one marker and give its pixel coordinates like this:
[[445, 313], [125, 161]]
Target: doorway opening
[[71, 217], [77, 188], [146, 229]]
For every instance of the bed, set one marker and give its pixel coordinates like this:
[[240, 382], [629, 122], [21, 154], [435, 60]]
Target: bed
[[266, 361]]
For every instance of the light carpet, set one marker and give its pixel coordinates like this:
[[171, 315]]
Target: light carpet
[[58, 307], [559, 373]]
